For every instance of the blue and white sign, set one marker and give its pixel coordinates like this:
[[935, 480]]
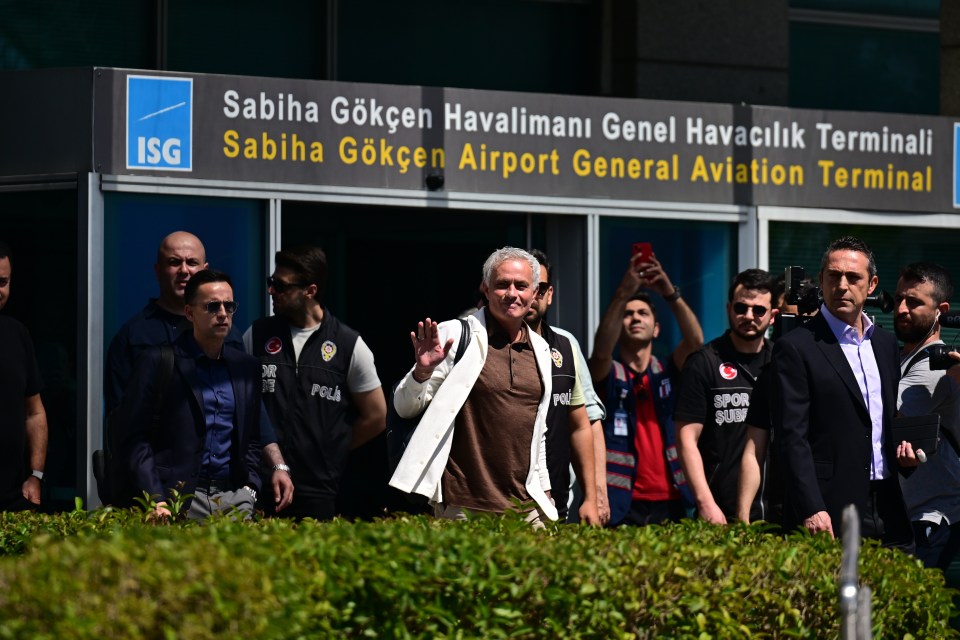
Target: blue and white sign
[[159, 123]]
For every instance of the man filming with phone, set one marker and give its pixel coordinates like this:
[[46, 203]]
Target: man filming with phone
[[645, 484], [932, 493]]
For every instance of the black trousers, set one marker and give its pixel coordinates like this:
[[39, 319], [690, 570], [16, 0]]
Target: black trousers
[[884, 516], [644, 512]]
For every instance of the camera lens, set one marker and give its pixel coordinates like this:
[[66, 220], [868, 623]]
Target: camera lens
[[940, 357]]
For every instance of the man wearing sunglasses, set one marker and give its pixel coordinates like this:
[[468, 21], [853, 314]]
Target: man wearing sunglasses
[[319, 383], [206, 441], [574, 418], [23, 420], [179, 256], [715, 391]]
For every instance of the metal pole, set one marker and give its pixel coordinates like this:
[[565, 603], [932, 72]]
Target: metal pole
[[848, 574], [864, 615]]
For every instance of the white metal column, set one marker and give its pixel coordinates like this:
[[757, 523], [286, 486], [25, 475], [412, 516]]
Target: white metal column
[[272, 243], [90, 239]]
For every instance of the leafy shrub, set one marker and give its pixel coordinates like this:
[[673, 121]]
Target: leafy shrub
[[107, 575]]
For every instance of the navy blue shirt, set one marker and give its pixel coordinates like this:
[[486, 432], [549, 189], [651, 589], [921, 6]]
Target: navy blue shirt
[[215, 389]]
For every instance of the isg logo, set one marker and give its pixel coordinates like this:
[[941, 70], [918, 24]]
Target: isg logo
[[159, 123]]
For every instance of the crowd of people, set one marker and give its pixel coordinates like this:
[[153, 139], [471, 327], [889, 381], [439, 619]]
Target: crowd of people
[[512, 416]]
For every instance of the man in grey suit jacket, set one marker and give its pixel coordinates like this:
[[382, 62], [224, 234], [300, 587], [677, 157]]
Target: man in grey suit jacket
[[835, 390]]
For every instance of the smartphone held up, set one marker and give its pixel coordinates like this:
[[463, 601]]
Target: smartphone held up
[[644, 250]]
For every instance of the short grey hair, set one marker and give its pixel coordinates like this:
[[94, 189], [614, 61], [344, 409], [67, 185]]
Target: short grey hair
[[506, 254]]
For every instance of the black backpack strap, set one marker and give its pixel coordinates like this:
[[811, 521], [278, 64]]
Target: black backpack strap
[[920, 355], [163, 381], [464, 340]]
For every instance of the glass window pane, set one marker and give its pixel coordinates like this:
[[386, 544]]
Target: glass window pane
[[36, 35], [41, 229], [248, 37], [911, 8], [838, 67], [698, 257], [803, 244], [231, 231], [512, 45], [390, 268]]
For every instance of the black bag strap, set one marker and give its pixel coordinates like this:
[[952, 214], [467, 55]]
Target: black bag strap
[[163, 381], [464, 340], [920, 355]]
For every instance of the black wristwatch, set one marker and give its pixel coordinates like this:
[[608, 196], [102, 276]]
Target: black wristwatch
[[673, 297]]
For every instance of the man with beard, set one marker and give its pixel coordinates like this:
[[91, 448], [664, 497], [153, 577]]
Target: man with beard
[[320, 383], [715, 394], [23, 421], [480, 444], [645, 484], [932, 493], [573, 420]]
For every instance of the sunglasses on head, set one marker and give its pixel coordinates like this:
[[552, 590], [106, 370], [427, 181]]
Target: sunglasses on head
[[282, 287], [214, 306], [740, 309], [542, 288]]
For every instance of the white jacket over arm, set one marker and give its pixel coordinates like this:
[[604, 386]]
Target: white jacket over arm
[[441, 398]]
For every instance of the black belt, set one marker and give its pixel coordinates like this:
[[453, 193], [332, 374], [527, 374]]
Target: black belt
[[214, 485]]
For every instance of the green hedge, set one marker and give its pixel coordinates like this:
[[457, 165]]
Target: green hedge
[[107, 575]]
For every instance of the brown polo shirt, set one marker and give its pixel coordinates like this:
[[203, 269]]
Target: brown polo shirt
[[490, 454]]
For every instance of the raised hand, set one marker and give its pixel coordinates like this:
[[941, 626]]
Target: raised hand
[[427, 350]]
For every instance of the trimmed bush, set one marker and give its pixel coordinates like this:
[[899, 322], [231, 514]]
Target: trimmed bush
[[107, 575]]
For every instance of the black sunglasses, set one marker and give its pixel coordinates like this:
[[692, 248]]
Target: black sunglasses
[[282, 287], [214, 306], [740, 309], [542, 288]]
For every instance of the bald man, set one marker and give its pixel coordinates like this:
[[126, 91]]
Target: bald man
[[179, 256]]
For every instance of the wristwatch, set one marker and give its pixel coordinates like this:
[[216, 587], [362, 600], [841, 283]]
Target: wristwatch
[[673, 296], [281, 467], [37, 474]]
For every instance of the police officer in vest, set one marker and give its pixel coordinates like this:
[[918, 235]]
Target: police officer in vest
[[320, 384], [574, 406], [715, 390]]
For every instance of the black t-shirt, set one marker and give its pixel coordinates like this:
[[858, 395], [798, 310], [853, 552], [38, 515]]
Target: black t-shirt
[[19, 379], [715, 390]]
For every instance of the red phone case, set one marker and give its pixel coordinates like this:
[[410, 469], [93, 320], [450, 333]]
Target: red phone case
[[645, 249]]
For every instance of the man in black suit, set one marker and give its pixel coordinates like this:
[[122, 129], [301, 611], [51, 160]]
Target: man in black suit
[[835, 393], [206, 439]]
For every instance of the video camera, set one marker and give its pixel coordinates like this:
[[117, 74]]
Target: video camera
[[808, 297], [938, 352]]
